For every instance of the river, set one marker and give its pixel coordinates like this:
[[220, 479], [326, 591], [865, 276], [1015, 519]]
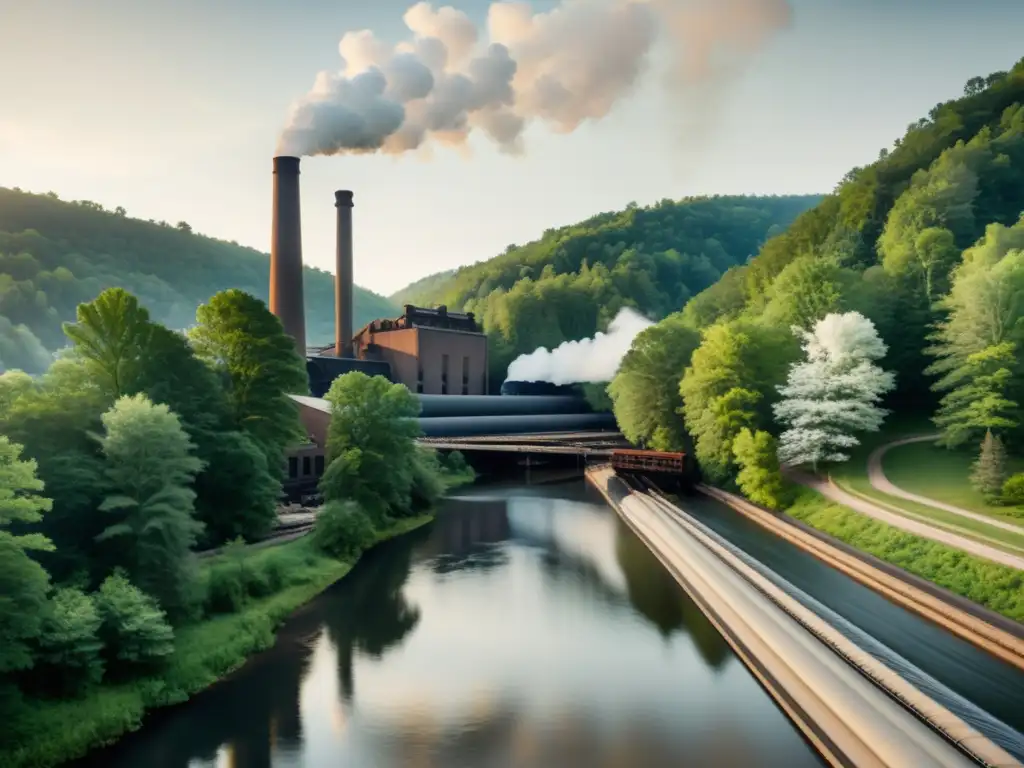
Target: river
[[526, 626]]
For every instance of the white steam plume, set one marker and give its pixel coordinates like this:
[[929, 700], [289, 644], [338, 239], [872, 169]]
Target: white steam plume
[[562, 67], [593, 360]]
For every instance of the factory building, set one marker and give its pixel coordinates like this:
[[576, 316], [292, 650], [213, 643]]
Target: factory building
[[431, 351], [440, 356]]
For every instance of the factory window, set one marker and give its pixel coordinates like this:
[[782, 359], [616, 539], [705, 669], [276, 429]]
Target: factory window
[[293, 467], [483, 383], [318, 465], [444, 374], [307, 468], [465, 375], [419, 378]]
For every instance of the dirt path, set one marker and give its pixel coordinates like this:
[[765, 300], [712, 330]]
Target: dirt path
[[878, 480], [829, 490]]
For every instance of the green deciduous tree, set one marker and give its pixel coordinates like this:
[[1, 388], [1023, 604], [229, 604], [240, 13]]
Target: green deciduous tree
[[343, 530], [988, 473], [239, 337], [759, 477], [111, 337], [717, 427], [806, 290], [645, 390], [238, 487], [23, 582], [1013, 490], [69, 645], [134, 629], [976, 402], [51, 419], [150, 467], [741, 355], [976, 345], [370, 444]]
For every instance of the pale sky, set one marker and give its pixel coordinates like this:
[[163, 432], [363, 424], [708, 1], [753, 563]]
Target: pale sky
[[172, 108]]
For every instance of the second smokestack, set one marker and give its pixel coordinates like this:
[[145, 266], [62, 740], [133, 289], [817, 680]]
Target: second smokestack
[[343, 276]]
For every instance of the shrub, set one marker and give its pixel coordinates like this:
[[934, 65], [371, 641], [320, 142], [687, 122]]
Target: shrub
[[134, 629], [455, 462], [1013, 491], [759, 477], [276, 572], [69, 644], [427, 485], [343, 530], [255, 581], [225, 590]]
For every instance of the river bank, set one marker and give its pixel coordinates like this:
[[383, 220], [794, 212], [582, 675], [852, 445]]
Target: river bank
[[48, 732], [526, 626]]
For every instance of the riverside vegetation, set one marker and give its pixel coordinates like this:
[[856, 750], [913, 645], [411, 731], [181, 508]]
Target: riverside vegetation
[[905, 286], [140, 445]]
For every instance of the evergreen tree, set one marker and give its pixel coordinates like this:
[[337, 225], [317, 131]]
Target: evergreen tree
[[989, 471]]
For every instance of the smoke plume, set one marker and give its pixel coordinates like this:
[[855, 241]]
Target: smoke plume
[[590, 360], [562, 68]]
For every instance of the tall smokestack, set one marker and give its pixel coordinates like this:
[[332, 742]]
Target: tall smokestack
[[343, 276], [286, 300]]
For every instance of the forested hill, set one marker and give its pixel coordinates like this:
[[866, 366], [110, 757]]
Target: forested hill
[[56, 254], [887, 240], [571, 281], [927, 243]]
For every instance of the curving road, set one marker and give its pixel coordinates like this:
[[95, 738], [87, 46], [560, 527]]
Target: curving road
[[878, 480], [831, 491]]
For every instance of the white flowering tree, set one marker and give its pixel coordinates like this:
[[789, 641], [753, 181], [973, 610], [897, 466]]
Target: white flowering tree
[[834, 393]]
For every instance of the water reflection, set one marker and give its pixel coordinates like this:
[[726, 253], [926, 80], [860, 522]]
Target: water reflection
[[371, 614], [520, 629]]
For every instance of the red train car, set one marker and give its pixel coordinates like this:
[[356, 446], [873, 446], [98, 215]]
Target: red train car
[[662, 466]]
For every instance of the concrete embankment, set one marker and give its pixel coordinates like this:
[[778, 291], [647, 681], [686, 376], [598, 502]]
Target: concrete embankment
[[969, 622], [856, 712]]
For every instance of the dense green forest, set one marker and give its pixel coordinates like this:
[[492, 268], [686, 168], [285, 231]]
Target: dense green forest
[[55, 255], [572, 281], [925, 245], [140, 445]]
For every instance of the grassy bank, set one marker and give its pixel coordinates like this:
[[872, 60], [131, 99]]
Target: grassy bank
[[926, 470], [274, 582], [934, 472], [995, 586]]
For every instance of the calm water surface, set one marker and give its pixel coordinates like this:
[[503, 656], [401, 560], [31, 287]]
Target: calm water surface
[[525, 627]]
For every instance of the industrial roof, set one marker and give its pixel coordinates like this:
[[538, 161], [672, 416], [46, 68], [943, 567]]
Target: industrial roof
[[316, 403]]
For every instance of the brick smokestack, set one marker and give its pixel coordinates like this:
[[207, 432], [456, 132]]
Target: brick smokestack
[[343, 276], [286, 299]]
